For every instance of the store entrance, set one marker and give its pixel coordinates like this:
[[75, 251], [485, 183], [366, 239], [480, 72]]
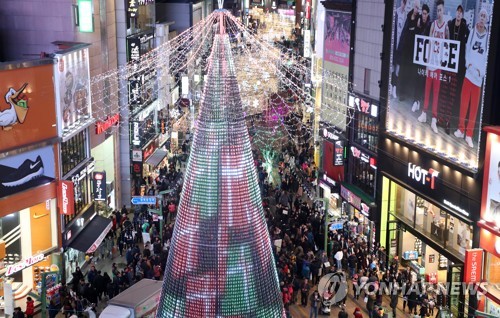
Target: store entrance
[[456, 300]]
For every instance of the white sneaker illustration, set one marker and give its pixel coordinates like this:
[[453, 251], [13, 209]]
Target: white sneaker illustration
[[434, 125], [423, 117], [458, 134], [468, 140], [416, 106]]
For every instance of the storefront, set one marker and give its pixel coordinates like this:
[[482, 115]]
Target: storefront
[[28, 212], [363, 167], [82, 238], [329, 192], [359, 209], [489, 233], [105, 151], [154, 157], [427, 217], [28, 222]]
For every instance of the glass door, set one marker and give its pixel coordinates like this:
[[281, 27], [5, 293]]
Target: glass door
[[456, 300]]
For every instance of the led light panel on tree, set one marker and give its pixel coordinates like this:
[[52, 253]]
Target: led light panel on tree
[[220, 262]]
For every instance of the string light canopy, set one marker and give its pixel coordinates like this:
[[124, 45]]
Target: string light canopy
[[264, 68], [220, 262]]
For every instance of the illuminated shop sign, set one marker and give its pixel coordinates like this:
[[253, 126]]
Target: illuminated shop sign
[[423, 176], [133, 7], [351, 198], [329, 180], [66, 200], [474, 264], [99, 186], [360, 155], [338, 156], [30, 261], [136, 133], [362, 105], [328, 133], [455, 207], [102, 126]]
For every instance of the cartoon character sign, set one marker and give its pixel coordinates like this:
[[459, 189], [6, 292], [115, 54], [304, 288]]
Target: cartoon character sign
[[18, 109]]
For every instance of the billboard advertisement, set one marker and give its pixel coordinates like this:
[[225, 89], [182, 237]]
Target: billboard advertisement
[[336, 48], [337, 37], [24, 171], [27, 109], [490, 203], [72, 78], [439, 51]]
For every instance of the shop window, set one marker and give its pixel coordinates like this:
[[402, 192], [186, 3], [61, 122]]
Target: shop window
[[460, 235], [430, 220], [366, 131], [364, 176], [82, 197], [493, 274], [73, 152], [405, 203]]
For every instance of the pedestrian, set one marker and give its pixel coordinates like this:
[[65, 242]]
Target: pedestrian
[[121, 244], [304, 291], [357, 313], [315, 300], [394, 296], [53, 309], [343, 313], [18, 313], [30, 307]]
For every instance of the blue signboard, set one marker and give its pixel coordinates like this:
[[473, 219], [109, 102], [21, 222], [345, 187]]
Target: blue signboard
[[143, 200]]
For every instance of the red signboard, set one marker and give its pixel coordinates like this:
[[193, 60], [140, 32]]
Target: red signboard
[[473, 265], [102, 126], [66, 197]]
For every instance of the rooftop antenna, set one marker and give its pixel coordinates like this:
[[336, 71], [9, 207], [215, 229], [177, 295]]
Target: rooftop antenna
[[220, 4]]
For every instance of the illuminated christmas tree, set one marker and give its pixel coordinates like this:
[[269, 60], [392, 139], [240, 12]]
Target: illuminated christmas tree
[[220, 262]]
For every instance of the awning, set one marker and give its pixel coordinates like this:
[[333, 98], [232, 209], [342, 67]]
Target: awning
[[92, 235], [156, 157]]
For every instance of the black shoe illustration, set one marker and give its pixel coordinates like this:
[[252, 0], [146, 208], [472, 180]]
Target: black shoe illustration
[[28, 171]]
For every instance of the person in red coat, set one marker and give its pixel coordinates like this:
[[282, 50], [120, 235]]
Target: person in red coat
[[357, 313], [30, 307]]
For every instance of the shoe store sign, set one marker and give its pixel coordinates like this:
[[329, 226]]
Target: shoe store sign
[[30, 261], [423, 176]]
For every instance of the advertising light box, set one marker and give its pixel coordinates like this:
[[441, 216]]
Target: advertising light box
[[439, 52]]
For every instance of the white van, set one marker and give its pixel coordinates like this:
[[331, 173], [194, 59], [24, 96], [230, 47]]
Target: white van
[[138, 301]]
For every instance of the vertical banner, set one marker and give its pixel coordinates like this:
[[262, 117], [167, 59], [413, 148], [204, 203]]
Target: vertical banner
[[439, 55], [99, 187], [473, 265], [338, 156], [66, 197], [337, 44]]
